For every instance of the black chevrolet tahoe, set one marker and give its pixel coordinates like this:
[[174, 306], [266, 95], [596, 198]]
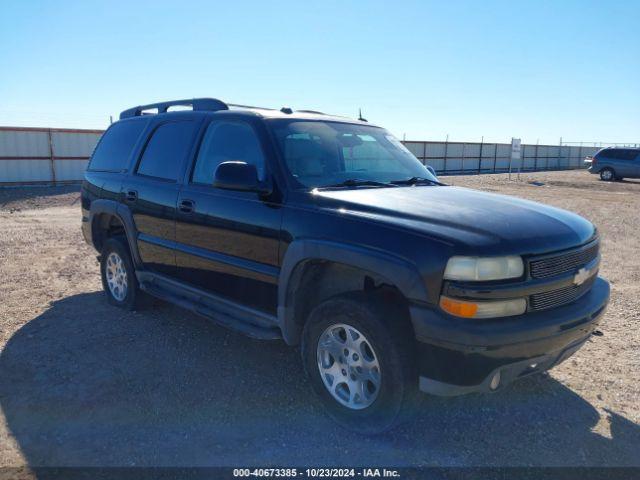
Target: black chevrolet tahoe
[[326, 232]]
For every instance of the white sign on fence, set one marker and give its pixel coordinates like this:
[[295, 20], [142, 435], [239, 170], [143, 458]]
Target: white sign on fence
[[516, 149]]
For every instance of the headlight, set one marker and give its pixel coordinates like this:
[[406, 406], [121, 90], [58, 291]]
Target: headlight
[[478, 269], [483, 309]]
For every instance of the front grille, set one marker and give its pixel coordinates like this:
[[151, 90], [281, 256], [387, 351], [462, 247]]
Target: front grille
[[564, 262], [559, 297]]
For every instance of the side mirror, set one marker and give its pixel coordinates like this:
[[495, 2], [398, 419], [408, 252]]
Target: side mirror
[[236, 175], [432, 170]]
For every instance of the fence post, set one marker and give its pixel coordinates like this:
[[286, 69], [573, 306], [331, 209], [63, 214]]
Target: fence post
[[480, 159], [560, 155], [446, 147], [51, 157], [464, 147], [495, 156], [424, 153]]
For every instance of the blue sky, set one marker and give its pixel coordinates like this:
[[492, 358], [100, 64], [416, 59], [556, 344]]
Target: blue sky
[[424, 69]]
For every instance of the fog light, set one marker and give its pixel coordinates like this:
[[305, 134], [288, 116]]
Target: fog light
[[495, 381]]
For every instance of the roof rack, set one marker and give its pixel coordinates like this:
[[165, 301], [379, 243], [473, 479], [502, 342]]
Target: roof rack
[[201, 104], [207, 104]]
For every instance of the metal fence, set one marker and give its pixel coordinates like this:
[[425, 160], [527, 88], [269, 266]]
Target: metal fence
[[44, 155], [469, 157], [55, 155]]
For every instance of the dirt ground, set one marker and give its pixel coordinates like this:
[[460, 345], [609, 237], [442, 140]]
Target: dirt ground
[[85, 384]]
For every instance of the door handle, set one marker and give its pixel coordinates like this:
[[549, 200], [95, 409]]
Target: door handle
[[131, 196], [187, 206]]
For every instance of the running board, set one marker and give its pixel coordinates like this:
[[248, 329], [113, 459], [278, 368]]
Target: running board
[[226, 313]]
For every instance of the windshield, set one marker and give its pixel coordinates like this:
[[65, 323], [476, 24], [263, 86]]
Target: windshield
[[320, 154]]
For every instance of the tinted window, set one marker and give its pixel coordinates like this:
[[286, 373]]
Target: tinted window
[[166, 150], [618, 153], [223, 142], [114, 149]]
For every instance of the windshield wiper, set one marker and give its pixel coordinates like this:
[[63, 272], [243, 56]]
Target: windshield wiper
[[353, 182], [416, 181]]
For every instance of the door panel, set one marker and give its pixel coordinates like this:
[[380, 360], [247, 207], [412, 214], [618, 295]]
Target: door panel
[[152, 192], [227, 241], [154, 215], [228, 245]]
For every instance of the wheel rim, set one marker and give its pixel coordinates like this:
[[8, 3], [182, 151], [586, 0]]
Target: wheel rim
[[607, 175], [116, 276], [348, 366]]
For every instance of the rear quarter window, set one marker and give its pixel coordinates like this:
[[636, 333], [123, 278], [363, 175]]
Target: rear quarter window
[[114, 149]]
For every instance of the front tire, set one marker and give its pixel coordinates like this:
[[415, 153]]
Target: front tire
[[358, 354], [118, 274], [607, 175]]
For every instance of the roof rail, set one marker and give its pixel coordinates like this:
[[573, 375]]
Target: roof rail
[[311, 111], [207, 104], [237, 105]]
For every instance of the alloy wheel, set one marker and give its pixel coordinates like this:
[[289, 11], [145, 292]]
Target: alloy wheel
[[348, 366], [116, 274]]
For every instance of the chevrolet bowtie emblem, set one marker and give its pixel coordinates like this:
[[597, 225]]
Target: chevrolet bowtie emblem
[[581, 276]]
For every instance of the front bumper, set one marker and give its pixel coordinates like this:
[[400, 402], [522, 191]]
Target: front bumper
[[458, 356]]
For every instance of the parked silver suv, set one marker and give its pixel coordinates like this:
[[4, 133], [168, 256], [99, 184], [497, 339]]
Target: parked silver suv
[[615, 163]]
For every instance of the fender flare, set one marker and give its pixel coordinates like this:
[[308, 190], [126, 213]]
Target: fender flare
[[122, 213], [403, 274]]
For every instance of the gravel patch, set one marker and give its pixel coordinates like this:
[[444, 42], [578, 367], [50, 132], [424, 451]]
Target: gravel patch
[[85, 384]]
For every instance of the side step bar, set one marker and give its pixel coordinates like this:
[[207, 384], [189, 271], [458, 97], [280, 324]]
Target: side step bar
[[231, 315]]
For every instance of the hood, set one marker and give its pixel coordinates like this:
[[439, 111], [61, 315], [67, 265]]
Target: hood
[[485, 223]]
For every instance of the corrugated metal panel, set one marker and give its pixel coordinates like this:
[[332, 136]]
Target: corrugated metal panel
[[471, 164], [435, 150], [472, 150], [504, 150], [436, 163], [74, 144], [67, 170], [27, 170], [454, 164], [454, 150], [417, 148], [24, 144], [489, 150], [25, 154]]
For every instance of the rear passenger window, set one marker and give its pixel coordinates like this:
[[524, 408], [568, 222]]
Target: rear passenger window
[[619, 154], [114, 149], [226, 141], [166, 150]]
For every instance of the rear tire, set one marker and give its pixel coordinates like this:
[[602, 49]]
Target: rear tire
[[118, 274], [383, 340], [607, 174]]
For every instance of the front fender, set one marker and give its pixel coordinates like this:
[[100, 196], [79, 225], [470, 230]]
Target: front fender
[[401, 273]]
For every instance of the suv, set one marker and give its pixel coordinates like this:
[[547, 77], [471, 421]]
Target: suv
[[328, 233], [615, 163]]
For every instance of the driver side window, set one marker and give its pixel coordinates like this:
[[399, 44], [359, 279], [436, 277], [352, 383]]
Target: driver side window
[[226, 141]]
